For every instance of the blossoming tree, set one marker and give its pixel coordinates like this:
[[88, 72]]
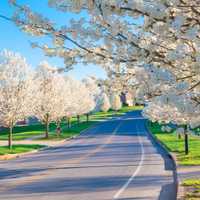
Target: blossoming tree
[[50, 103], [116, 103], [162, 34], [15, 89], [175, 108], [105, 103]]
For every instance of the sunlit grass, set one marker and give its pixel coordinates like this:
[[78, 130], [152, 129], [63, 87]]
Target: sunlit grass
[[173, 144], [20, 148], [191, 182], [192, 187], [69, 132]]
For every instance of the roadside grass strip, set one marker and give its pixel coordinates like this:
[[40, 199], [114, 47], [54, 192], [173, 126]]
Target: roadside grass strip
[[20, 148], [69, 132], [191, 189], [175, 145]]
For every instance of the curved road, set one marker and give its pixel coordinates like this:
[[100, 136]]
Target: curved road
[[114, 160]]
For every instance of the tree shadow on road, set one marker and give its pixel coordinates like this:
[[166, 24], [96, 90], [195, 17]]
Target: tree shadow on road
[[169, 165], [16, 173]]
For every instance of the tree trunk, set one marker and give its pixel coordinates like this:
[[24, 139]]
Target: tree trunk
[[47, 129], [87, 116], [186, 140], [58, 128], [78, 119], [10, 137], [68, 122], [47, 126]]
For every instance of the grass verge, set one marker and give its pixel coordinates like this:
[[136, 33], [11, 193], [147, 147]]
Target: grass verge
[[20, 148], [173, 144], [192, 189], [69, 132]]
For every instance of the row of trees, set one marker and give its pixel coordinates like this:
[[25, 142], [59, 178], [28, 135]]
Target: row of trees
[[146, 46], [45, 93]]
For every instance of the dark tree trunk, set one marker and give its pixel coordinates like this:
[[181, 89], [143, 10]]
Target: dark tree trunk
[[10, 137], [58, 128], [87, 116], [47, 126], [47, 130], [68, 122], [186, 140], [78, 119]]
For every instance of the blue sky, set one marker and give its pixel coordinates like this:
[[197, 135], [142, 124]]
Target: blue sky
[[13, 39]]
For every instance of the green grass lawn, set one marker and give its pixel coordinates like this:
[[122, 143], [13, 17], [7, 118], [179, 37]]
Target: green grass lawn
[[20, 148], [111, 113], [130, 108], [24, 132], [69, 132], [192, 189], [173, 144], [191, 182]]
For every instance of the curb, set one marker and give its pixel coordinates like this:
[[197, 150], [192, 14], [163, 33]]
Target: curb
[[173, 159]]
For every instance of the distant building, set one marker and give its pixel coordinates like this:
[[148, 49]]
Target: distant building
[[22, 122]]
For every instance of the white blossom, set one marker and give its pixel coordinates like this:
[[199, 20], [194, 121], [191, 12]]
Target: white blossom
[[116, 103], [16, 88], [105, 103]]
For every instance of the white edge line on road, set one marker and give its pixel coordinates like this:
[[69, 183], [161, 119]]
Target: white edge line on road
[[123, 188]]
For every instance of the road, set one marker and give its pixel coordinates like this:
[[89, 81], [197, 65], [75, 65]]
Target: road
[[114, 160]]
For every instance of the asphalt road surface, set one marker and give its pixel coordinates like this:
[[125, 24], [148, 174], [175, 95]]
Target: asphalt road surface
[[114, 160]]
